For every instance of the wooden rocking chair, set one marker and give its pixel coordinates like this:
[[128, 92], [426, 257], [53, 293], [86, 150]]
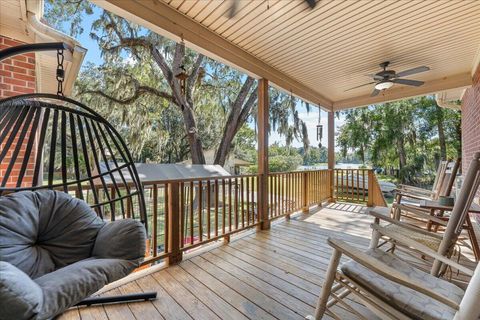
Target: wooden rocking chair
[[444, 179], [407, 198], [441, 243], [393, 289]]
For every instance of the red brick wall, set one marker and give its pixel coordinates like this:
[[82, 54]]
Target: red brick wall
[[471, 122], [17, 76], [17, 73]]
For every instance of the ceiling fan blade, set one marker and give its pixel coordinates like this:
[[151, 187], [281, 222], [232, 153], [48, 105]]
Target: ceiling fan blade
[[362, 85], [409, 82], [311, 3], [233, 9], [412, 71], [375, 92]]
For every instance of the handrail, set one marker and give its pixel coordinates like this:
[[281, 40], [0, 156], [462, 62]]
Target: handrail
[[187, 213]]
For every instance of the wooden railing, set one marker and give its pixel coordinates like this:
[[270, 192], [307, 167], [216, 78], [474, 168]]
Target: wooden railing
[[186, 213], [375, 197], [294, 191], [358, 186], [351, 185]]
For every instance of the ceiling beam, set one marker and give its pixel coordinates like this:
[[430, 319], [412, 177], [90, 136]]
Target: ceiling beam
[[403, 92], [165, 20]]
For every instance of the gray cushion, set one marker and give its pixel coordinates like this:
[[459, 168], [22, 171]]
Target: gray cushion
[[411, 302], [60, 242], [45, 230], [122, 239], [20, 297], [69, 285]]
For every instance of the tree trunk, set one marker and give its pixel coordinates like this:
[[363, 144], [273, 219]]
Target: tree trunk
[[441, 132], [236, 118], [196, 149], [402, 157], [181, 100], [362, 153]]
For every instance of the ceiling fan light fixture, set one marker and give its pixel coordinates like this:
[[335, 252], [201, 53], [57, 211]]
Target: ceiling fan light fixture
[[383, 85]]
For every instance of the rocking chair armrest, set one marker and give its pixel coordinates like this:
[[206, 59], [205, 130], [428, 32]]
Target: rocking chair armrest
[[420, 247], [414, 195], [404, 225], [419, 212], [387, 272], [407, 188]]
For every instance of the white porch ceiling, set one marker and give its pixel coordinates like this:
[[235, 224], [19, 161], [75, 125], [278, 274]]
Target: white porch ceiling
[[320, 53]]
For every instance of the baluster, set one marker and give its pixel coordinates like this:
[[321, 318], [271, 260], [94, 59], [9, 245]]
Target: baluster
[[154, 217], [208, 206], [200, 211]]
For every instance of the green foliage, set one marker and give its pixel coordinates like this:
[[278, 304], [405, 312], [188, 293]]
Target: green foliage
[[405, 135], [68, 16], [244, 144], [281, 159], [282, 163], [314, 155]]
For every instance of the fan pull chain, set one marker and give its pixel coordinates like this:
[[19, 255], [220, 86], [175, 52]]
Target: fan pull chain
[[60, 72]]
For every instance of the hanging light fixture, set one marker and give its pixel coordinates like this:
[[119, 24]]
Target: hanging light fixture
[[383, 85]]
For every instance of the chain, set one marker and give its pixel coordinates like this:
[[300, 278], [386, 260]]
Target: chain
[[60, 72]]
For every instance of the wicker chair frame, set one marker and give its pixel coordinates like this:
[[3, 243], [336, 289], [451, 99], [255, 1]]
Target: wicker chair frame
[[69, 147]]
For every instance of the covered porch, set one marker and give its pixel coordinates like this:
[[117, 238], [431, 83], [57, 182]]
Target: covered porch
[[255, 246], [270, 274]]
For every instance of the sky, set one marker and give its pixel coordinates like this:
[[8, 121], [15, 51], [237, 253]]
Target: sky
[[310, 118]]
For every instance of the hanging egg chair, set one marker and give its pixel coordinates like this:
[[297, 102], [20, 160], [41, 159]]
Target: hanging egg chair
[[72, 208]]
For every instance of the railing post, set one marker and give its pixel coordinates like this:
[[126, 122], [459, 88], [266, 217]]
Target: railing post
[[305, 193], [331, 186], [370, 188], [174, 232]]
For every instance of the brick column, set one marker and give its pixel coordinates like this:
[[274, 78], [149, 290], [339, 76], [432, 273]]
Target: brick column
[[471, 122], [17, 76]]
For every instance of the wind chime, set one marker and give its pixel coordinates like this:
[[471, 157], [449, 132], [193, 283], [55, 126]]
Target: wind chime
[[319, 129]]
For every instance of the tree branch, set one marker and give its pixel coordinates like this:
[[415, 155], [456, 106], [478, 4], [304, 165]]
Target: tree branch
[[192, 79], [178, 57], [162, 64], [130, 43], [139, 91]]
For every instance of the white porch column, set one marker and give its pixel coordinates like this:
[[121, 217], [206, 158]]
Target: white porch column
[[331, 140]]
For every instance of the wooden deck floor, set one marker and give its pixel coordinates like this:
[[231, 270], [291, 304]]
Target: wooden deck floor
[[275, 274]]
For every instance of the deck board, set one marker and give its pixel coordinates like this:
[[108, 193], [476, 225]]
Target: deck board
[[274, 274]]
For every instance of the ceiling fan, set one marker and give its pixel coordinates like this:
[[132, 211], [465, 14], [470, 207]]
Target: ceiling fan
[[234, 7], [385, 79]]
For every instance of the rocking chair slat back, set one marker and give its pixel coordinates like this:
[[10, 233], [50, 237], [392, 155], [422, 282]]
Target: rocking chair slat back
[[51, 142], [445, 183], [460, 209]]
